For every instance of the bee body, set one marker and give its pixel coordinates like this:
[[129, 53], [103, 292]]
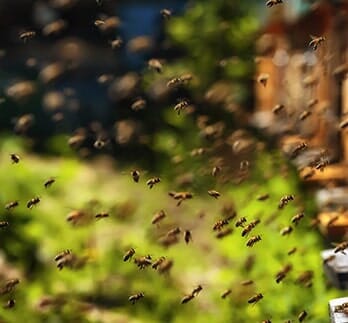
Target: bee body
[[49, 182], [253, 240], [129, 254], [11, 205], [153, 181], [34, 201], [256, 298], [226, 293], [15, 158], [134, 298], [187, 236]]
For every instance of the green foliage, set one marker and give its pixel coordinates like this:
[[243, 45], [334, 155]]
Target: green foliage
[[35, 236]]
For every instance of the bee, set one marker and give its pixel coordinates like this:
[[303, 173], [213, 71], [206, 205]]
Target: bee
[[197, 290], [24, 122], [263, 79], [316, 41], [169, 240], [187, 236], [220, 224], [344, 124], [181, 106], [116, 43], [286, 231], [174, 232], [102, 215], [26, 35], [322, 163], [3, 224], [165, 266], [155, 64], [10, 303], [187, 298], [216, 170], [244, 166], [32, 202], [249, 227], [247, 282], [304, 115], [302, 316], [135, 175], [253, 240], [341, 247], [226, 293], [143, 262], [256, 298], [305, 277], [174, 82], [129, 254], [105, 78], [271, 3], [292, 251], [263, 197], [214, 194], [223, 233], [49, 182], [158, 217], [280, 275], [62, 254], [134, 298], [278, 108], [311, 103], [139, 104], [11, 205], [75, 216], [285, 200], [54, 27], [100, 143], [329, 259], [166, 13], [297, 218], [298, 149], [15, 158], [158, 262], [152, 181], [240, 222], [180, 196]]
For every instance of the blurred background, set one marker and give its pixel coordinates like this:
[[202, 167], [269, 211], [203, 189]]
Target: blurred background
[[129, 119]]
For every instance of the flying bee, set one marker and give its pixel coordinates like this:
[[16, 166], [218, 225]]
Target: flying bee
[[253, 240], [26, 35], [256, 298], [280, 275], [305, 277], [174, 232], [3, 224], [10, 303], [187, 236], [302, 316], [247, 229], [304, 115], [158, 217], [329, 259], [297, 218], [263, 79], [174, 82], [54, 27], [32, 202], [15, 158], [226, 293], [223, 233], [11, 205], [129, 254], [158, 262], [298, 149], [344, 124], [341, 247], [76, 216], [49, 182], [8, 286], [244, 166], [263, 197], [247, 282], [220, 224], [143, 262], [322, 163], [134, 298], [316, 41], [101, 215], [165, 266], [135, 175], [286, 231], [285, 200], [187, 298], [216, 170], [311, 103], [139, 104], [292, 251], [197, 290], [153, 181], [278, 108], [62, 254], [182, 105], [240, 222], [155, 64], [214, 194], [180, 196], [271, 3], [166, 13], [116, 43]]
